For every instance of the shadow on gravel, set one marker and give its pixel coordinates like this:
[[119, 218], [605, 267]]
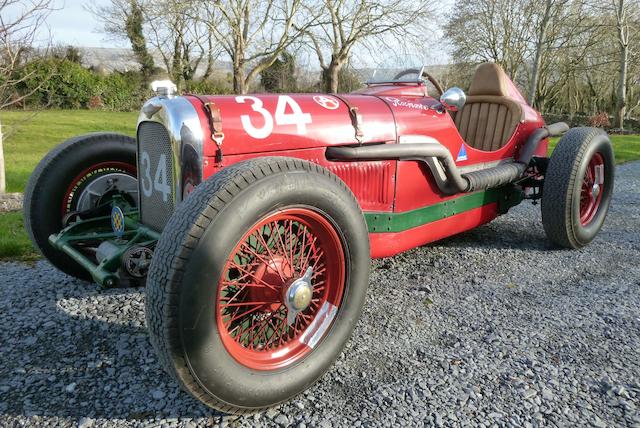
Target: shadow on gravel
[[506, 235], [71, 350]]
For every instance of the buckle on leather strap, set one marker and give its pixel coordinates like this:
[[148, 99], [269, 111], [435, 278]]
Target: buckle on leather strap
[[356, 118], [215, 122]]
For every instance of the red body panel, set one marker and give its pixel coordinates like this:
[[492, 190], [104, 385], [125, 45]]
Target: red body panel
[[303, 125]]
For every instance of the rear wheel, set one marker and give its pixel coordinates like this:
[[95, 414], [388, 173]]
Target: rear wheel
[[577, 187], [257, 283], [78, 175]]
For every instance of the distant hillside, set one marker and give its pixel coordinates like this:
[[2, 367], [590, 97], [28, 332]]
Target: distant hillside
[[121, 59]]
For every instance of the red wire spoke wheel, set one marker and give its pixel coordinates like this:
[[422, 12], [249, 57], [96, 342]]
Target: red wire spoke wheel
[[591, 193], [578, 185], [257, 282], [254, 298]]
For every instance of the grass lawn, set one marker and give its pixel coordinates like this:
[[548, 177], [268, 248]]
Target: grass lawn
[[14, 242], [625, 147], [30, 135]]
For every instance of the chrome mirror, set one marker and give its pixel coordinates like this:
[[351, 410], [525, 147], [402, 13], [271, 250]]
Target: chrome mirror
[[453, 99]]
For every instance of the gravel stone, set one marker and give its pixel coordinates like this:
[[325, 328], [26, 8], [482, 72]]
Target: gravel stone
[[456, 333]]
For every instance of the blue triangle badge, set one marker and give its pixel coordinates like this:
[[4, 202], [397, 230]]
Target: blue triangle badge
[[462, 154]]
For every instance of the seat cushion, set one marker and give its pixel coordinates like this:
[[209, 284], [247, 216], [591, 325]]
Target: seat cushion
[[487, 122]]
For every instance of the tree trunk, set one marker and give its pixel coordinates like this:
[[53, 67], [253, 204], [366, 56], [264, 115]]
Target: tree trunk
[[621, 95], [331, 76], [537, 62], [3, 182], [622, 88], [239, 86]]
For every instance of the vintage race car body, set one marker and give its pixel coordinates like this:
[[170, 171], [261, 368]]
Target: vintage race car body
[[252, 218], [401, 201]]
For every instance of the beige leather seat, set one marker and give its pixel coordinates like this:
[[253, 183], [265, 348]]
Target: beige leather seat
[[489, 118]]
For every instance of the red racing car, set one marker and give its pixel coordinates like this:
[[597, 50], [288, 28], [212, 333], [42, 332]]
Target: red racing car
[[252, 219]]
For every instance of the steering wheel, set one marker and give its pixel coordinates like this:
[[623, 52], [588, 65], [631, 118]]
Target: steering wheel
[[429, 77]]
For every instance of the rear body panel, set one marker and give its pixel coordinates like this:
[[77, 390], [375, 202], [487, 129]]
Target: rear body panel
[[401, 202]]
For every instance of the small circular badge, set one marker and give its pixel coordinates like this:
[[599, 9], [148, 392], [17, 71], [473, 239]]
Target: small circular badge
[[117, 221], [329, 103]]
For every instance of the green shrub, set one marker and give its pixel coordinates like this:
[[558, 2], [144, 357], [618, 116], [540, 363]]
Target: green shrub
[[61, 83], [56, 83], [213, 86], [122, 91]]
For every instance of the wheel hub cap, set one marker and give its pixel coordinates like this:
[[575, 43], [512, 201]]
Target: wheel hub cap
[[298, 295]]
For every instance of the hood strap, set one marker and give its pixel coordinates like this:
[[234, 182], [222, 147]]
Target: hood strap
[[356, 118], [215, 121]]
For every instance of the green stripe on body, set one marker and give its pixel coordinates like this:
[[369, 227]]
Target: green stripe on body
[[380, 222]]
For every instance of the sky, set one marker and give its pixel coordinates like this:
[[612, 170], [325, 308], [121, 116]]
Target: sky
[[71, 24]]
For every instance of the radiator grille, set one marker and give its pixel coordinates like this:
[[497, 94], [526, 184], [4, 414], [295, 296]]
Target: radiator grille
[[153, 142]]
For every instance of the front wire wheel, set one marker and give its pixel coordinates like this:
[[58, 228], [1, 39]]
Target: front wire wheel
[[267, 313], [257, 282]]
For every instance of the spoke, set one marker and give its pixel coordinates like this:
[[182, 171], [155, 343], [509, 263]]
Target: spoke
[[301, 252], [255, 277], [318, 272], [264, 324], [241, 315], [266, 262], [290, 243], [306, 261], [284, 249], [276, 331], [244, 304], [271, 255], [234, 296]]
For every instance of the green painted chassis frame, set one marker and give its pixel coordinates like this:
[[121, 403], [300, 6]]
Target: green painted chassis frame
[[99, 229]]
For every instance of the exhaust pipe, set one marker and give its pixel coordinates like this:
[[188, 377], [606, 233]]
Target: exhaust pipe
[[439, 160]]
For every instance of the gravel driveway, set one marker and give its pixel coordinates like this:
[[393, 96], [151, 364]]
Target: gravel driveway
[[491, 327]]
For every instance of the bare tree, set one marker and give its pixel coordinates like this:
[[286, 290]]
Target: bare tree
[[625, 13], [492, 30], [20, 22], [168, 28], [125, 19], [559, 26], [253, 33], [345, 24]]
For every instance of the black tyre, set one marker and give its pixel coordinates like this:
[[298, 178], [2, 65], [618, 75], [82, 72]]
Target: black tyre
[[243, 311], [68, 179], [577, 187]]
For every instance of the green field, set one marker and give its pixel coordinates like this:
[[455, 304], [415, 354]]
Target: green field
[[625, 147], [30, 135]]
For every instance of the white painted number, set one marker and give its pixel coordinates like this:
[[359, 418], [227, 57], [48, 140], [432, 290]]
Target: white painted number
[[256, 105], [147, 183], [296, 117], [160, 181]]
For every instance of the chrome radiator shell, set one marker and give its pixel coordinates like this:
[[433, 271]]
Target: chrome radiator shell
[[168, 126]]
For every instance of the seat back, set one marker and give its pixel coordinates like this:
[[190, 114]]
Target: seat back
[[490, 117]]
